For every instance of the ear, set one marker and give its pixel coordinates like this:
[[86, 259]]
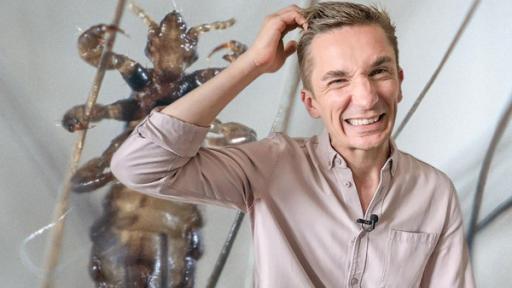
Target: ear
[[400, 80], [310, 103]]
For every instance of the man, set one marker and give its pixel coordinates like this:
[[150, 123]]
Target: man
[[345, 208]]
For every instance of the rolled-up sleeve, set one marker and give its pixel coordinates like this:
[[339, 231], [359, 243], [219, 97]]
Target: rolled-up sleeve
[[449, 265], [163, 157]]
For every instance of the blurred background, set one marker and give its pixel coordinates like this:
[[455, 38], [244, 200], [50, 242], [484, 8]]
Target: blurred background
[[42, 76]]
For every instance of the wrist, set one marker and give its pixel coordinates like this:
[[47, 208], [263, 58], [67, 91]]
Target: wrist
[[247, 66]]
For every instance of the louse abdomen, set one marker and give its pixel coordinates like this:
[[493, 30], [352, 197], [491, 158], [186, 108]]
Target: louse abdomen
[[142, 241]]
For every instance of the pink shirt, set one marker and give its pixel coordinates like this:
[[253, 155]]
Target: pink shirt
[[303, 205]]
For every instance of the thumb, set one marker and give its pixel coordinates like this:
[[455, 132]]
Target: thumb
[[290, 48]]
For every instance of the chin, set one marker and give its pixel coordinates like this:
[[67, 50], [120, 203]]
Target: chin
[[368, 143]]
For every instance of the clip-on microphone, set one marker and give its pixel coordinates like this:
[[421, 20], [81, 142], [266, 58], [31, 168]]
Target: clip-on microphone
[[371, 223]]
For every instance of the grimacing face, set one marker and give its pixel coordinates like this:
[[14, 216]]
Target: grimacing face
[[356, 86]]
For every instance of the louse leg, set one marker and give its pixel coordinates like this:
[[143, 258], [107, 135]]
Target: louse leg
[[194, 32], [90, 47], [230, 133], [217, 25], [203, 75], [124, 110], [153, 30], [148, 21], [93, 174], [236, 48]]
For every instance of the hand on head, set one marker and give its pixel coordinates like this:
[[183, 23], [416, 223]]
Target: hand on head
[[268, 51]]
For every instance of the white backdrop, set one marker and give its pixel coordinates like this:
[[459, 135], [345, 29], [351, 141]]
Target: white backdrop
[[41, 76]]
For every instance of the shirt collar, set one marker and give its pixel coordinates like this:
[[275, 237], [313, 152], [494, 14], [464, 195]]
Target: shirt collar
[[328, 154], [393, 159]]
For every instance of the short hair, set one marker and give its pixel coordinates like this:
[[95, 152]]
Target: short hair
[[326, 16]]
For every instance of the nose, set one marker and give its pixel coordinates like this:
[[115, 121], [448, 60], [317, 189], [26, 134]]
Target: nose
[[364, 93]]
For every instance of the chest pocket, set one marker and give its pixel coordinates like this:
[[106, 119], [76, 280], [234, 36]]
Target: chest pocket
[[407, 256]]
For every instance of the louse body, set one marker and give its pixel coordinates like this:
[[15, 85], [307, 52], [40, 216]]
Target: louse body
[[140, 241]]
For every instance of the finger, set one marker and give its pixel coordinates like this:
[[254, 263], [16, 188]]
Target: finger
[[293, 17], [289, 21], [292, 9]]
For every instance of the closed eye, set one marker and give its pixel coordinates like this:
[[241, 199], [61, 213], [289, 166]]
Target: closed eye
[[337, 81], [378, 71]]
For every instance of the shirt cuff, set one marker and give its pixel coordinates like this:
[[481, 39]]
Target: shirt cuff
[[182, 138]]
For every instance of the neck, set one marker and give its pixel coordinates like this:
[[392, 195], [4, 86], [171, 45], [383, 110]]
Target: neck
[[365, 164]]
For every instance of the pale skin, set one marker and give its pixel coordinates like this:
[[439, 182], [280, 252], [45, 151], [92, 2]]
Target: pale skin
[[354, 78]]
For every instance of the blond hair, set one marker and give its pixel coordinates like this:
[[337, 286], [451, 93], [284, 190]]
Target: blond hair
[[326, 16]]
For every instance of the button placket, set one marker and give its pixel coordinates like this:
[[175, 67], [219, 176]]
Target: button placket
[[347, 189], [378, 196], [358, 260]]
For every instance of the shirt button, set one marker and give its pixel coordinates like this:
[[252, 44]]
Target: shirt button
[[348, 184], [354, 281], [338, 161]]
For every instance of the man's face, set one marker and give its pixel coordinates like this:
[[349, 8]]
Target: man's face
[[355, 85]]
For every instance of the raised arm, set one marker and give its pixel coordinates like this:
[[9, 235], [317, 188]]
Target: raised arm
[[163, 158], [267, 54]]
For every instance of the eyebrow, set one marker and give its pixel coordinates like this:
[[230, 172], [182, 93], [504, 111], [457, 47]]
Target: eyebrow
[[340, 73], [382, 60], [334, 74]]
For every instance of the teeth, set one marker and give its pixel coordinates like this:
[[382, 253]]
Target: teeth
[[359, 122]]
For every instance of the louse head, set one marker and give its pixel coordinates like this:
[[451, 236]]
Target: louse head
[[171, 49]]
